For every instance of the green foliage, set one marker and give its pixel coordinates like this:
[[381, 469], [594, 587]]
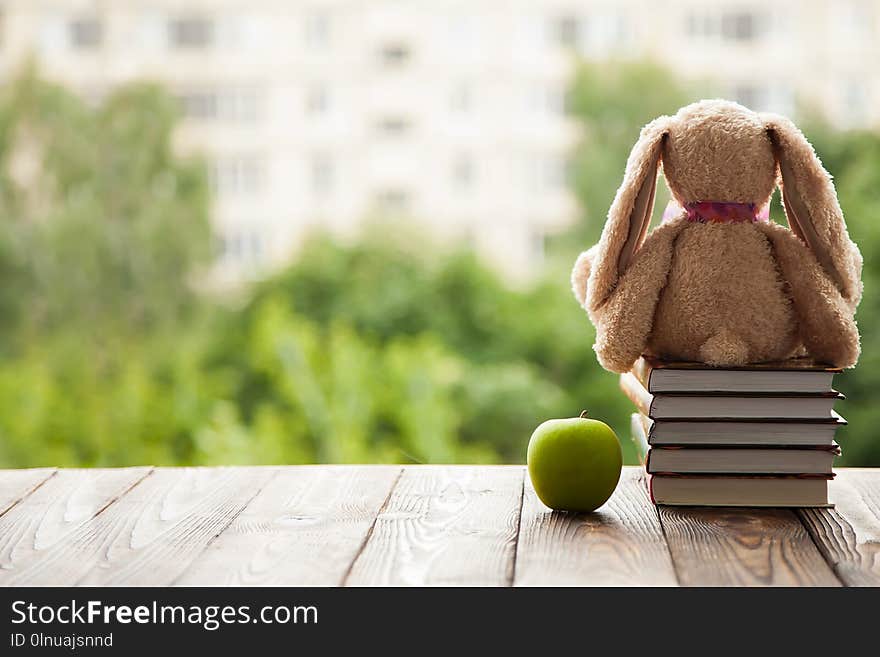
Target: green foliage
[[101, 223], [308, 372], [375, 354], [854, 159]]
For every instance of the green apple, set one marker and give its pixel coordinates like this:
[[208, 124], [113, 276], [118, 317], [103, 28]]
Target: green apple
[[574, 463]]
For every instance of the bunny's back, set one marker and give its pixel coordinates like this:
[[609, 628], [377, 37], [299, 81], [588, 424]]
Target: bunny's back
[[725, 301]]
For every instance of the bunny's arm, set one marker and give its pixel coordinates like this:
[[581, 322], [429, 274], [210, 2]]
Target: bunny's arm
[[625, 317], [827, 326]]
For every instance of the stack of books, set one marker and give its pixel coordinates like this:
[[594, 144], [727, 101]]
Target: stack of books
[[761, 435]]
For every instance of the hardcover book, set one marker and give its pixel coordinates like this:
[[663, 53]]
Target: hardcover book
[[732, 460], [741, 406], [757, 491], [728, 433], [796, 375]]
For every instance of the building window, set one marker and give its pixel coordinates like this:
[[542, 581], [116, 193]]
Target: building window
[[537, 244], [702, 25], [543, 99], [317, 29], [773, 96], [463, 172], [317, 100], [545, 172], [393, 200], [567, 31], [239, 175], [191, 32], [393, 55], [199, 105], [241, 104], [607, 31], [240, 246], [749, 95], [85, 33], [393, 126], [739, 26], [322, 175], [237, 104]]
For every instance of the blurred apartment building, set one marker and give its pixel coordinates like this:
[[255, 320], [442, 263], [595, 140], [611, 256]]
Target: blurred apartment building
[[447, 113]]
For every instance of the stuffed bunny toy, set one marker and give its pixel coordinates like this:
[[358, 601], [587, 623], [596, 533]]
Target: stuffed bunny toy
[[717, 282]]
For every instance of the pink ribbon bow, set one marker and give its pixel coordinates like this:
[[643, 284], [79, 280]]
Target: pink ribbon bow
[[718, 212]]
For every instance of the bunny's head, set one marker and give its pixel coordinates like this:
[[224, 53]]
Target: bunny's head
[[718, 151], [721, 152]]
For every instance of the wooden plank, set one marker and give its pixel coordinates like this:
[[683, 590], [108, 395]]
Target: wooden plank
[[15, 485], [153, 533], [56, 510], [742, 547], [305, 528], [621, 544], [445, 525], [849, 534]]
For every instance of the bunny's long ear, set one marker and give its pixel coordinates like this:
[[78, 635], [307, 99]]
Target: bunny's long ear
[[630, 213], [812, 209]]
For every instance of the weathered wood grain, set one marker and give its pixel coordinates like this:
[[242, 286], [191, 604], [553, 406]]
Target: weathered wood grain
[[445, 525], [849, 534], [304, 528], [437, 525], [55, 511], [15, 485], [153, 533], [742, 547], [621, 544]]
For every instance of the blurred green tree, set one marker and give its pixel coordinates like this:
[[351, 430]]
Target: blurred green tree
[[102, 229], [100, 223], [853, 158], [440, 361]]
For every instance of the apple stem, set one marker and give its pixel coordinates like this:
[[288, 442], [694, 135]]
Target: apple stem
[[584, 414]]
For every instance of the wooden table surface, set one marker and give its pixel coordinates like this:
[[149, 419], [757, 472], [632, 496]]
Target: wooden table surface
[[412, 525]]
